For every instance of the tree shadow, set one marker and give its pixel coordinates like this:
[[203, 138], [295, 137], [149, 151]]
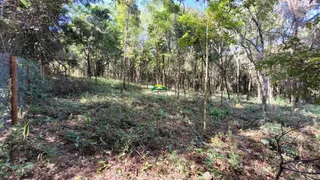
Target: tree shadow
[[102, 132]]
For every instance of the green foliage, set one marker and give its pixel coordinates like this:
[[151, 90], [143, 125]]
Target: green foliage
[[194, 27], [234, 160], [4, 161], [34, 85], [300, 66], [219, 114], [163, 114], [26, 3], [315, 109], [19, 168], [272, 129], [94, 120], [26, 130], [225, 13], [221, 154]]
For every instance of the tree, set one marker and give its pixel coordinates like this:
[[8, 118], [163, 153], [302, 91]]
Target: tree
[[127, 18], [86, 30], [301, 65]]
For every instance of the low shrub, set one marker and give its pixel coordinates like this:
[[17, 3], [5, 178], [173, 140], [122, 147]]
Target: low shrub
[[219, 114], [69, 86]]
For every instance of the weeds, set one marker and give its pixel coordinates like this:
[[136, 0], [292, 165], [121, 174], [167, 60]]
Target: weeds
[[159, 132], [69, 86], [219, 114]]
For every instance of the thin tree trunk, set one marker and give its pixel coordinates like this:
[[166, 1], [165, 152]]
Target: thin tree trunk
[[89, 70], [265, 91], [163, 71], [258, 86], [226, 84], [201, 76], [184, 85], [178, 77], [238, 77], [249, 84], [221, 91], [270, 88], [138, 71], [278, 90], [195, 74], [123, 62], [206, 80], [289, 91]]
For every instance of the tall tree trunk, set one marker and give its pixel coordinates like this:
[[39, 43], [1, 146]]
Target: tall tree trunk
[[195, 74], [290, 91], [184, 85], [168, 74], [226, 84], [238, 77], [263, 93], [270, 92], [206, 80], [139, 72], [201, 76], [278, 90], [87, 52], [123, 62], [89, 71], [178, 76], [163, 71], [249, 84], [265, 90], [258, 86], [221, 91], [158, 70]]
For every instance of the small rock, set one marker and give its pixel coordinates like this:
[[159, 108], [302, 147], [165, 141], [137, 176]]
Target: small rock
[[207, 176]]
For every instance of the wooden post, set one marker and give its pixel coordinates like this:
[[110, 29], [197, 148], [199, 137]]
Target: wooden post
[[14, 90]]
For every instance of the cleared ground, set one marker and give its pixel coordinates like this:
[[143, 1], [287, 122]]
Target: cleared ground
[[98, 133]]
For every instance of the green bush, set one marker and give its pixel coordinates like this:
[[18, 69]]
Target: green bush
[[218, 114]]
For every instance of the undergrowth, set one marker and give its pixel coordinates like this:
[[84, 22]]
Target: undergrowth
[[160, 134]]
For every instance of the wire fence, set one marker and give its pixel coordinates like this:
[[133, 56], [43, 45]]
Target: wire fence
[[4, 88], [30, 85]]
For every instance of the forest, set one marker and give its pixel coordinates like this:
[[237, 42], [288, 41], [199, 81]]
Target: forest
[[160, 89]]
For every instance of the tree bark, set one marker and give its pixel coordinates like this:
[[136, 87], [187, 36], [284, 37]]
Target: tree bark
[[163, 71], [265, 90], [206, 80], [123, 62], [221, 91], [226, 85], [258, 86], [14, 90], [249, 84], [195, 74], [238, 77], [89, 70], [178, 76]]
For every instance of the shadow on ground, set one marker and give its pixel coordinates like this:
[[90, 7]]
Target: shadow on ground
[[102, 134]]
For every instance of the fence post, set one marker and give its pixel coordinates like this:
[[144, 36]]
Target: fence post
[[14, 90]]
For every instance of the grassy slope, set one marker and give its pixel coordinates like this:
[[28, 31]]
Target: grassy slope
[[101, 134]]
